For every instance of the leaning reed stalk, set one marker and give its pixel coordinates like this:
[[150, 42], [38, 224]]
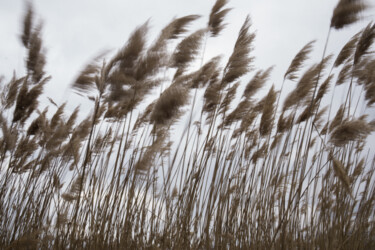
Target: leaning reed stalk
[[84, 165]]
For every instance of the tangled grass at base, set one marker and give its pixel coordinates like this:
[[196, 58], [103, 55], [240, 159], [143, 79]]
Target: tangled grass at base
[[245, 173]]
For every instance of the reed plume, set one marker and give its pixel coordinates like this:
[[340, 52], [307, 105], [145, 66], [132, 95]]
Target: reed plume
[[324, 88], [266, 122], [340, 172], [239, 62], [364, 42], [206, 72], [85, 82], [350, 130], [217, 15], [27, 25], [298, 61], [347, 51], [36, 57], [178, 27], [186, 51], [169, 104], [228, 98], [257, 82], [344, 74], [347, 12], [27, 100], [11, 91], [242, 109], [303, 89]]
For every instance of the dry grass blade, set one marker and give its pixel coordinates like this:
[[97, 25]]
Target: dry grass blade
[[346, 12], [215, 22], [298, 61]]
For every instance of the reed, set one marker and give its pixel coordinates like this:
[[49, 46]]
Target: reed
[[244, 171]]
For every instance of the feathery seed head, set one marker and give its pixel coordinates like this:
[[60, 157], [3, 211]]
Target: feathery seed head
[[240, 60], [298, 61], [347, 12], [217, 15]]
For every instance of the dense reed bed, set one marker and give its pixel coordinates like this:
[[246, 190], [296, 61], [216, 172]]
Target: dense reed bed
[[208, 163]]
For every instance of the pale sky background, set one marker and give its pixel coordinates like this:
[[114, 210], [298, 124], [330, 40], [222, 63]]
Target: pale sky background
[[74, 31]]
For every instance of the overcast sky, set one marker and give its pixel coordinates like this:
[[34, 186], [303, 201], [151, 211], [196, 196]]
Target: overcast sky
[[76, 30]]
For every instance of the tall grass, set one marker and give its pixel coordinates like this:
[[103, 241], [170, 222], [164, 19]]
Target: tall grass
[[241, 172]]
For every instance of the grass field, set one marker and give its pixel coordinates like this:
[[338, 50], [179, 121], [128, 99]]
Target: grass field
[[181, 154]]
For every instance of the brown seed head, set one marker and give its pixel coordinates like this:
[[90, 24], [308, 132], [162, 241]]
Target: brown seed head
[[217, 15], [298, 61], [346, 12], [352, 130], [240, 60]]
